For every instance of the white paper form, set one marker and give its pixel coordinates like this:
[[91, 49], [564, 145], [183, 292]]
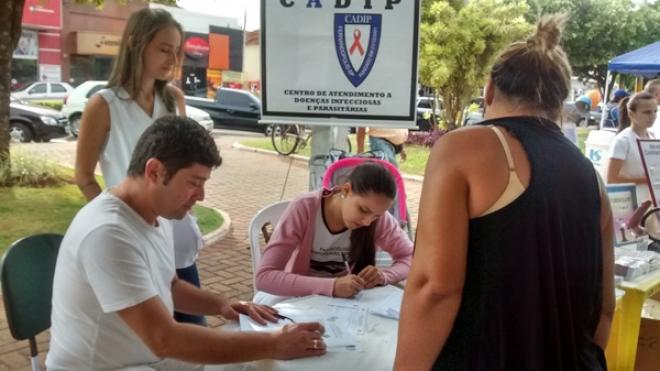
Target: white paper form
[[389, 306], [344, 323]]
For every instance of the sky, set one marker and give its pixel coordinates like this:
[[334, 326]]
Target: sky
[[227, 8], [238, 8]]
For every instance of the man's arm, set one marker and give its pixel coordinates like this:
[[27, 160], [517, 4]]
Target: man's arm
[[154, 325], [193, 300], [361, 132]]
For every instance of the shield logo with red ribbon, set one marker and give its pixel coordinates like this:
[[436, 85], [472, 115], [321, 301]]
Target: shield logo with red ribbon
[[357, 37]]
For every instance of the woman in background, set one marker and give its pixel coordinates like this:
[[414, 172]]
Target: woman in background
[[137, 94], [637, 114]]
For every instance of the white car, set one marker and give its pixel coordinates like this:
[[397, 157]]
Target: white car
[[42, 90], [425, 107], [74, 105]]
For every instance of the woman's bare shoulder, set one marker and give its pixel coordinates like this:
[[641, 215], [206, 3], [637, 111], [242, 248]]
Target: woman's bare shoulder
[[463, 144]]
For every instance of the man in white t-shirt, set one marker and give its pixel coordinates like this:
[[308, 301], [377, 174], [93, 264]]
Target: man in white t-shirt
[[389, 141], [115, 287]]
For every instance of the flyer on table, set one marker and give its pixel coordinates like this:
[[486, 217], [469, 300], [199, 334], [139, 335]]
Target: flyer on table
[[330, 62]]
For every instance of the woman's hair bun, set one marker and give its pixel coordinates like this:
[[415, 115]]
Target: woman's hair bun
[[548, 32]]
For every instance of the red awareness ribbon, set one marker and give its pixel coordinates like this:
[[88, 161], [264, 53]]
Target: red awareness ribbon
[[356, 42]]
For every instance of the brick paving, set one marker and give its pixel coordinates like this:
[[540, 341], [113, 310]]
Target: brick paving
[[245, 183]]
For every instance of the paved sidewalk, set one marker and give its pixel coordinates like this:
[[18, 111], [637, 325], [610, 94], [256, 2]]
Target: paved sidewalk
[[245, 183]]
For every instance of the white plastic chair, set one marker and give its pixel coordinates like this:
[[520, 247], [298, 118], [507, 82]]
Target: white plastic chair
[[268, 215]]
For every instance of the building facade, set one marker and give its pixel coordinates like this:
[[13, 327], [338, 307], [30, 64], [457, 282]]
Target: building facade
[[38, 54], [91, 37], [66, 41], [212, 51], [252, 63]]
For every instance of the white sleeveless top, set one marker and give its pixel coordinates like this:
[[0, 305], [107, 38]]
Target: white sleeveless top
[[127, 123]]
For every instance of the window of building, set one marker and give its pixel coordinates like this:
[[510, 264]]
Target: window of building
[[89, 67], [23, 73]]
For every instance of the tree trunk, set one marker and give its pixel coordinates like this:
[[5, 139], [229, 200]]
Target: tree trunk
[[11, 13]]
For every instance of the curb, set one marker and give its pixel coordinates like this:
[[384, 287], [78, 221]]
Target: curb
[[213, 236], [241, 147], [220, 233]]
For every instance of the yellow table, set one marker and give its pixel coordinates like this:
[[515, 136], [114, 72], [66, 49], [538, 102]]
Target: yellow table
[[612, 350], [631, 310]]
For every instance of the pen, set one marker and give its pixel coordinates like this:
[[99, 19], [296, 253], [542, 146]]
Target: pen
[[348, 267], [284, 317]]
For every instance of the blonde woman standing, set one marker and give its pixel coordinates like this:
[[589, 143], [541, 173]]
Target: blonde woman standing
[[513, 265], [138, 93]]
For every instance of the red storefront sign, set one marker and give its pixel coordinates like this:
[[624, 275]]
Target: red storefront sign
[[43, 14], [196, 47]]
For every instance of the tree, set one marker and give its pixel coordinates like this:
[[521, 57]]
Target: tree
[[459, 41], [598, 30], [11, 13]]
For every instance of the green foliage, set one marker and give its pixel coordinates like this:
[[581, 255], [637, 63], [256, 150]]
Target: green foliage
[[459, 42], [31, 171], [598, 30], [54, 104]]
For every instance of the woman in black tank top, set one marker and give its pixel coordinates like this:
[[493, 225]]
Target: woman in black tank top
[[528, 286]]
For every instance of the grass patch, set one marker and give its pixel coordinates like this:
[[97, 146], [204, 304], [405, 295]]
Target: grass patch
[[207, 219], [415, 164], [418, 156], [25, 211], [267, 144]]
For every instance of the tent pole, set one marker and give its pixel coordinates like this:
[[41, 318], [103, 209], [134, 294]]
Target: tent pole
[[603, 102]]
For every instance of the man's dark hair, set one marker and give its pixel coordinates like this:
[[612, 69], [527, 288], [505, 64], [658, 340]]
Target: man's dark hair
[[178, 142]]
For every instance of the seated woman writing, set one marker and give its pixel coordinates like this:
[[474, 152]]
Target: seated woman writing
[[326, 241]]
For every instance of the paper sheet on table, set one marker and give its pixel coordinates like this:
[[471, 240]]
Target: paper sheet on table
[[344, 323], [389, 306]]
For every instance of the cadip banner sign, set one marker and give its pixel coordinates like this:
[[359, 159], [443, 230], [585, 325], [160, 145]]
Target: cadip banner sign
[[339, 62]]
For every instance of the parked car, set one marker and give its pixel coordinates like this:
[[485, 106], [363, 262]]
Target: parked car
[[232, 109], [29, 122], [474, 111], [425, 111], [202, 117], [42, 90], [590, 118], [74, 105]]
